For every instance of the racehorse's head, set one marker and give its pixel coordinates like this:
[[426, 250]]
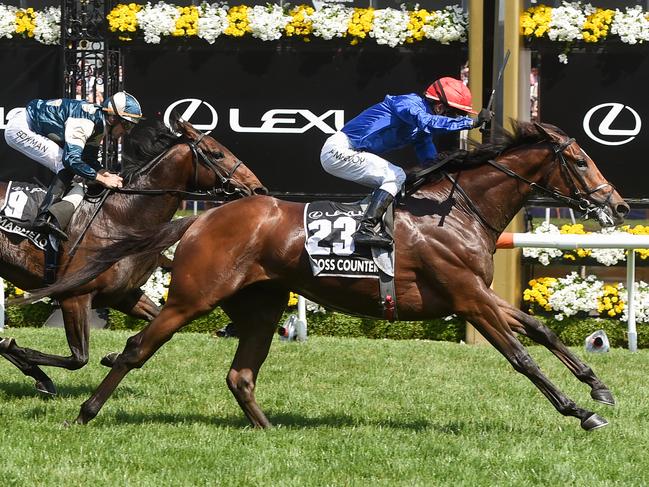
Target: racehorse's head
[[216, 167], [574, 174]]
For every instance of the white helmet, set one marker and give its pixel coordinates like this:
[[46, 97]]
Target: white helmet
[[125, 106]]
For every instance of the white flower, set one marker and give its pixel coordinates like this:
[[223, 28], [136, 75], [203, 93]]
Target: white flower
[[544, 255], [567, 21], [632, 25], [331, 21], [447, 25], [212, 21], [157, 20], [390, 26], [640, 302], [267, 23], [47, 28], [573, 294], [563, 58], [7, 21]]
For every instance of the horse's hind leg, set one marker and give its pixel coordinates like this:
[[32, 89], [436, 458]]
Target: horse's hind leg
[[135, 304], [531, 327], [482, 310], [255, 311], [43, 383]]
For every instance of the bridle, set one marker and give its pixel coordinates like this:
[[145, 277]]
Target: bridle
[[578, 198], [225, 177], [198, 158]]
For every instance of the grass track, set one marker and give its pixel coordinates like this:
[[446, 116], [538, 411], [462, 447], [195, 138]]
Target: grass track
[[350, 412]]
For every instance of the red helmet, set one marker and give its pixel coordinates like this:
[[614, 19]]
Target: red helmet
[[452, 92]]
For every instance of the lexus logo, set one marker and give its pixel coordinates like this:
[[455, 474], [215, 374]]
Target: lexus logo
[[190, 114], [203, 116], [607, 135]]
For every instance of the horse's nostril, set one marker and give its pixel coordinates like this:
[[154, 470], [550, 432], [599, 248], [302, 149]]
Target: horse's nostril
[[260, 190], [623, 209]]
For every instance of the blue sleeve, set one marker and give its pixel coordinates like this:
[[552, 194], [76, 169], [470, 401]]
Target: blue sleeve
[[415, 114], [72, 159]]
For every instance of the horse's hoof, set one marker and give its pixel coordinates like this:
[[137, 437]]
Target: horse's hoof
[[6, 344], [604, 396], [46, 387], [109, 359], [593, 422]]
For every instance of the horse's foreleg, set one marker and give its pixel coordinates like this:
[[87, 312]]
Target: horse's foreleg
[[75, 319], [139, 348], [531, 327], [135, 304], [481, 310], [256, 313]]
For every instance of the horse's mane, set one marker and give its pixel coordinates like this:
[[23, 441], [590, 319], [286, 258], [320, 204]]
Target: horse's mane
[[147, 140], [522, 133]]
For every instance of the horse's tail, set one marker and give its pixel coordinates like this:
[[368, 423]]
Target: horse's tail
[[132, 243]]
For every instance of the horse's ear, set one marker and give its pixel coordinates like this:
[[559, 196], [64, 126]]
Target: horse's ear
[[542, 131], [187, 129]]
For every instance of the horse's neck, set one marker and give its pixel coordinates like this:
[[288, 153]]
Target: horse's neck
[[494, 196]]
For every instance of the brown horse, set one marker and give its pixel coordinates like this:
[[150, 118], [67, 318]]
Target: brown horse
[[159, 168], [446, 235]]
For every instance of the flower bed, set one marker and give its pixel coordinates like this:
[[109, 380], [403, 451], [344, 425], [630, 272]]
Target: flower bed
[[580, 22], [43, 26], [606, 257], [388, 26]]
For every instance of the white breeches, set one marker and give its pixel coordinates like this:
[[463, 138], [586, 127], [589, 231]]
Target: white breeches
[[339, 159], [21, 137]]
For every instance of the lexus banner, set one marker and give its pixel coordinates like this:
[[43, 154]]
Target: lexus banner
[[601, 100], [275, 107], [27, 73]]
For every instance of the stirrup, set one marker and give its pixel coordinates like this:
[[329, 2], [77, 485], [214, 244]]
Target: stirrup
[[46, 225], [372, 240]]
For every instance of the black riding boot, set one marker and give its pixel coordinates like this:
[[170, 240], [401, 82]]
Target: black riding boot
[[45, 221], [367, 233]]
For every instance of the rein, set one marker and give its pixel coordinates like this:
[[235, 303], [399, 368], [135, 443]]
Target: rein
[[577, 200]]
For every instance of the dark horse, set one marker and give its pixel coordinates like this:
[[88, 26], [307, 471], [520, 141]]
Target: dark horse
[[446, 235], [159, 167]]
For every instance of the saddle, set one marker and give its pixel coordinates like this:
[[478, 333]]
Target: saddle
[[17, 213]]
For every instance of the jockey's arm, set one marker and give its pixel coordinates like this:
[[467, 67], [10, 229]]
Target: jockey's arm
[[414, 114], [77, 133]]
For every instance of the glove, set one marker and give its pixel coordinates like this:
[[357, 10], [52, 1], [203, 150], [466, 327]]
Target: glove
[[483, 118]]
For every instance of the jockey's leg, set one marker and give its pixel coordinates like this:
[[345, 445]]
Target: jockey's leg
[[340, 159], [21, 137], [64, 209], [367, 233], [46, 221]]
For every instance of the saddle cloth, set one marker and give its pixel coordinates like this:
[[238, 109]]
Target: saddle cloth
[[329, 227], [20, 208]]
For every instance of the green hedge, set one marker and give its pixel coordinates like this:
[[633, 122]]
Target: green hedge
[[572, 331], [326, 324]]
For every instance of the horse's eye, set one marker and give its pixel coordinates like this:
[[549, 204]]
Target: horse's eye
[[581, 163]]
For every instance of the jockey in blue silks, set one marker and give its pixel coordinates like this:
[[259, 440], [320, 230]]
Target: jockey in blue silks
[[64, 135], [396, 122]]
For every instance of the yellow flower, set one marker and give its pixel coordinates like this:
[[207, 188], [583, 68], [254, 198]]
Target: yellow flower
[[25, 22], [535, 21], [360, 24], [238, 21], [597, 25], [292, 299], [300, 23], [418, 18], [123, 19]]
